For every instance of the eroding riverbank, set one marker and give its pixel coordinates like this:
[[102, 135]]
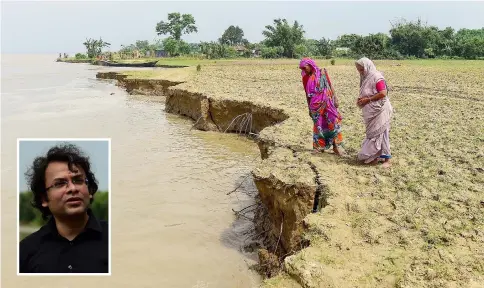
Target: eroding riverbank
[[287, 194]]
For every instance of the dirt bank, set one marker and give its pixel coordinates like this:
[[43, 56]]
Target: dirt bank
[[417, 225], [286, 183]]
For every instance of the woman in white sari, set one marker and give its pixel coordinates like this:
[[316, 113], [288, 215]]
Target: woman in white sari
[[377, 113]]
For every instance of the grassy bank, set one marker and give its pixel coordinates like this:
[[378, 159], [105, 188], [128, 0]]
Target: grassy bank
[[419, 224], [74, 60]]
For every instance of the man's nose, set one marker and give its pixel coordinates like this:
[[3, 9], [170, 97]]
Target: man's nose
[[71, 187]]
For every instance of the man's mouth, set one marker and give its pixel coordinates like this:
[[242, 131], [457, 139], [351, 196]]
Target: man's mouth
[[74, 200]]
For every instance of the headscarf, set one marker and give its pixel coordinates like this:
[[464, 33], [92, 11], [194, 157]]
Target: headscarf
[[315, 76], [370, 76]]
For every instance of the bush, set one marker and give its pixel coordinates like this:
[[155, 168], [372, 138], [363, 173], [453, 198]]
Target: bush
[[333, 62], [230, 52], [26, 211], [300, 51], [199, 67], [81, 56], [268, 52], [100, 206]]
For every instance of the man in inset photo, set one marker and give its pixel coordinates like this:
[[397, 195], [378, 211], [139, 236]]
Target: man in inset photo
[[73, 239]]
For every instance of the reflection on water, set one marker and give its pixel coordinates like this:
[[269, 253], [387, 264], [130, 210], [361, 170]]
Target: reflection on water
[[172, 223]]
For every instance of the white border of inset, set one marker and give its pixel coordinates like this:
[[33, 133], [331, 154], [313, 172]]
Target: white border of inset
[[109, 212]]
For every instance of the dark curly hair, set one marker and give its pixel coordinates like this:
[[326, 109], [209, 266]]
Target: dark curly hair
[[68, 153]]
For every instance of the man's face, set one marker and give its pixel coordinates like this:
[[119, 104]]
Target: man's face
[[68, 194]]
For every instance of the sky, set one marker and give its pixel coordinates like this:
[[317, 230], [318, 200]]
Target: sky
[[98, 152], [62, 26]]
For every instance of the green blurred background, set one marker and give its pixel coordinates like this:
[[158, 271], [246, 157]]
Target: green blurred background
[[30, 218]]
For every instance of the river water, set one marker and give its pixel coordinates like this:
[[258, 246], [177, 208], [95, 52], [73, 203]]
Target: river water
[[172, 222]]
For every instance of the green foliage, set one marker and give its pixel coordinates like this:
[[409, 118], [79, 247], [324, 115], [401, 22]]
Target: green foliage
[[272, 52], [373, 46], [423, 41], [312, 48], [176, 47], [406, 40], [234, 35], [80, 56], [325, 47], [284, 35], [214, 50], [346, 40], [100, 206], [26, 211], [142, 46], [469, 43], [199, 68], [177, 25], [94, 47], [28, 215], [333, 62], [300, 51]]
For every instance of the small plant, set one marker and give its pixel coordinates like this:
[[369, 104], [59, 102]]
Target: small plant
[[333, 62], [199, 67]]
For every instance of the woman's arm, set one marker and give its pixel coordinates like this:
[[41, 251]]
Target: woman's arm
[[365, 100], [382, 93]]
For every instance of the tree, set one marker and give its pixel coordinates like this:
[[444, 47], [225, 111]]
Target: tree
[[171, 46], [312, 47], [177, 25], [234, 35], [94, 47], [143, 45], [346, 40], [469, 43], [284, 35], [410, 38], [325, 47], [373, 46]]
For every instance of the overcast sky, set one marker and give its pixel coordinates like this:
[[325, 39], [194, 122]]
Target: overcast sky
[[55, 27]]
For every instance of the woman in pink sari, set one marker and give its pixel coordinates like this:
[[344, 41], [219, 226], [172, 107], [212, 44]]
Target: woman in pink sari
[[377, 113], [322, 108]]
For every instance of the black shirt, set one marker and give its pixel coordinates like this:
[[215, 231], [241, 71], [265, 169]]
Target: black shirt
[[45, 251]]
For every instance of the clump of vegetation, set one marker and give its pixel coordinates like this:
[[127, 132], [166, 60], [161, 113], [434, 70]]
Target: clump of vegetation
[[199, 68], [405, 40], [94, 47], [81, 56], [333, 62]]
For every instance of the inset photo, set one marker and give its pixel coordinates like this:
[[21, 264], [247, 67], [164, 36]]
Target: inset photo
[[64, 206]]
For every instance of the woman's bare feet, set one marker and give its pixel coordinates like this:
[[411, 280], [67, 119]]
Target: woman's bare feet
[[374, 162], [317, 151], [338, 151], [386, 164]]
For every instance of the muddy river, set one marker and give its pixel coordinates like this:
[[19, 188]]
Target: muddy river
[[172, 222]]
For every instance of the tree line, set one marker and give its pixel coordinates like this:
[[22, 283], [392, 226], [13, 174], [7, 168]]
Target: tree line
[[28, 215], [406, 39]]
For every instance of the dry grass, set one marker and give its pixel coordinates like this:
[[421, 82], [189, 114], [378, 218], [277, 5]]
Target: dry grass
[[420, 224]]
